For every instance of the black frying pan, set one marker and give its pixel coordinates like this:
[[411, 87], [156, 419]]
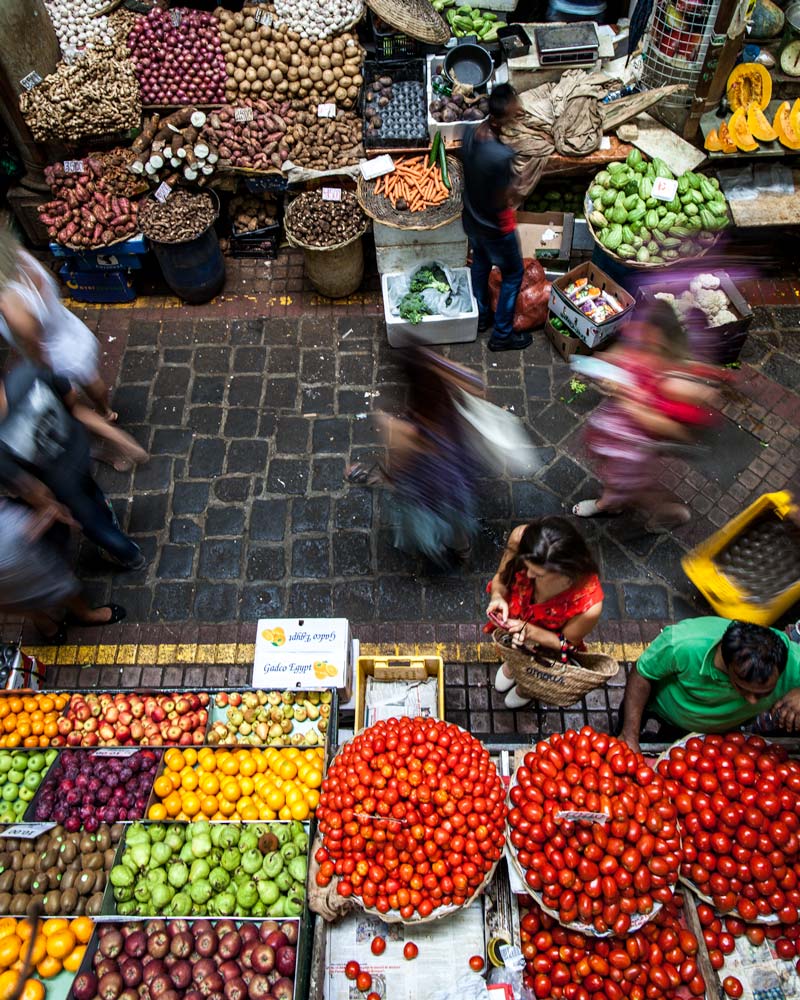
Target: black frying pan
[[469, 64]]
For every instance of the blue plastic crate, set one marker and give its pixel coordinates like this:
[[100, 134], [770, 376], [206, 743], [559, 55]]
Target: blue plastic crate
[[98, 286], [135, 245]]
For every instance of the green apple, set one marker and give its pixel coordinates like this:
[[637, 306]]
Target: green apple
[[10, 792], [6, 762], [7, 817], [32, 780], [50, 756], [15, 776], [26, 793], [37, 762]]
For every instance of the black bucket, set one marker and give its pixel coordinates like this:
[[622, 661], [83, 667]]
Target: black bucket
[[195, 270]]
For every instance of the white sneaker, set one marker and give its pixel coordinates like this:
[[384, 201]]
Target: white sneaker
[[502, 683], [514, 700]]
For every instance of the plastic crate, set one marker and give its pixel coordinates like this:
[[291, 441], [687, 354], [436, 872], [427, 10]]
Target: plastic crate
[[98, 286], [391, 45], [726, 596], [412, 70], [260, 243], [135, 245]]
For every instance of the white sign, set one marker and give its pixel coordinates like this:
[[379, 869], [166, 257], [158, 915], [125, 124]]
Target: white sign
[[664, 188], [163, 191], [331, 194], [303, 653], [175, 17], [27, 831], [579, 816], [261, 16], [326, 111], [73, 166], [31, 80], [115, 752], [370, 169], [243, 114]]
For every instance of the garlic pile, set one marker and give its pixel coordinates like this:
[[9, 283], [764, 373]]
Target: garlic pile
[[319, 18], [75, 26]]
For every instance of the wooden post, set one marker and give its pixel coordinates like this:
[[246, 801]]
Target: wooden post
[[719, 60]]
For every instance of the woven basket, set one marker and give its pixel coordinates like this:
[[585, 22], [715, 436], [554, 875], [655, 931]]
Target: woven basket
[[638, 265], [381, 210], [549, 680], [415, 18]]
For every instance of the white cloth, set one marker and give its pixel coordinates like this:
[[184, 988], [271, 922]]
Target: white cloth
[[69, 346]]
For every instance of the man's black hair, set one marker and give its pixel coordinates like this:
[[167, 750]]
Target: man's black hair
[[754, 652], [500, 100]]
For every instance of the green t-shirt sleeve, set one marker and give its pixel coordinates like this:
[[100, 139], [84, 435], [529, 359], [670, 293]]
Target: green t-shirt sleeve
[[658, 660], [790, 678]]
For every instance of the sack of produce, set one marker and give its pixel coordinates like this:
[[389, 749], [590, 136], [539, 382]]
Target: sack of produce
[[531, 308]]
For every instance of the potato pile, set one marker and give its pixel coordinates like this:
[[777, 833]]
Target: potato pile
[[259, 142], [251, 213], [325, 143], [267, 61]]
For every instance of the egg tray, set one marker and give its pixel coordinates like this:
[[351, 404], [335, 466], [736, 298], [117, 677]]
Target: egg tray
[[408, 98]]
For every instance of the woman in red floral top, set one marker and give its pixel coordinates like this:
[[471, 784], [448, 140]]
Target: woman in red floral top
[[545, 592]]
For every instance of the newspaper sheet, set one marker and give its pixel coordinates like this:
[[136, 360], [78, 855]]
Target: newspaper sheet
[[441, 972], [393, 699], [763, 975]]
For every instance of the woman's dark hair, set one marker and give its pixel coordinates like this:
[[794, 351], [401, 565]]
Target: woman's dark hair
[[500, 100], [661, 315], [753, 651], [553, 543]]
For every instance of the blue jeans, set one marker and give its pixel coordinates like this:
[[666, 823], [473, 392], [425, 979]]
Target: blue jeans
[[503, 253], [87, 503]]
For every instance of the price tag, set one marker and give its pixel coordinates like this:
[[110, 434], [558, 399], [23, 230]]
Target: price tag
[[261, 16], [331, 194], [73, 166], [115, 752], [581, 816], [243, 114], [512, 957], [175, 16], [163, 191], [326, 111], [370, 169], [31, 80], [27, 831], [664, 188]]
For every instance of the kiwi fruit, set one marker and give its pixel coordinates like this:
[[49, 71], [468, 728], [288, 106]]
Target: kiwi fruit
[[36, 903], [103, 838], [5, 902], [67, 880], [80, 907], [49, 858], [93, 904], [69, 900], [23, 880], [116, 832], [109, 857], [30, 861], [100, 881], [86, 845], [16, 860], [93, 861], [84, 883], [12, 844], [19, 905], [6, 881], [68, 852], [52, 903]]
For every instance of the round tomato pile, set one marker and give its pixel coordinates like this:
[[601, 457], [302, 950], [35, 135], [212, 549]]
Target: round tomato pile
[[412, 816], [654, 962], [720, 936], [738, 801], [603, 874]]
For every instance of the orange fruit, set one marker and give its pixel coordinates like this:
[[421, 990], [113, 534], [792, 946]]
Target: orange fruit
[[299, 810], [231, 791], [275, 799], [10, 947], [46, 703], [162, 786], [249, 812], [190, 756], [227, 808], [8, 925], [48, 967], [313, 778], [174, 760], [209, 805], [60, 944], [24, 929], [209, 784], [33, 990], [285, 813], [191, 804], [189, 779], [8, 984], [172, 803], [157, 811], [312, 798], [246, 785], [247, 766], [228, 765], [39, 949], [73, 961], [82, 928], [287, 770]]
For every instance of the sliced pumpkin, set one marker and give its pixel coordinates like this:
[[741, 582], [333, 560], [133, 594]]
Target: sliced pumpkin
[[725, 140], [759, 125], [794, 117], [740, 133], [748, 83], [783, 126], [712, 143]]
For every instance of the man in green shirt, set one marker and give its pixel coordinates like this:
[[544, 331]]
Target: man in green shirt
[[711, 675]]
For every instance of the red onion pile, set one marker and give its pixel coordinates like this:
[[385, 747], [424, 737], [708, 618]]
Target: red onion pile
[[178, 63]]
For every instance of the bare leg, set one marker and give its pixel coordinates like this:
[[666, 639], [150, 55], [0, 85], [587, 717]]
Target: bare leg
[[97, 391], [86, 613]]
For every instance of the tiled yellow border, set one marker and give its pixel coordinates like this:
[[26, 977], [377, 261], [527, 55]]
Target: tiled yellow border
[[171, 654]]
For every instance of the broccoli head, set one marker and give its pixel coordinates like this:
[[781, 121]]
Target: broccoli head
[[430, 277], [413, 308]]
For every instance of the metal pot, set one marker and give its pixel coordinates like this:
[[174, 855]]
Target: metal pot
[[469, 64]]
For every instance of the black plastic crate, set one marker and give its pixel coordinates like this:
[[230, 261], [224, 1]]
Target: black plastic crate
[[391, 45], [266, 183], [261, 243], [410, 71]]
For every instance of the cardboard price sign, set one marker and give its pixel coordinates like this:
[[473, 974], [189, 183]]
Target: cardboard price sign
[[176, 17], [261, 16], [33, 79], [581, 816], [115, 752], [664, 188], [243, 114], [326, 111], [331, 194], [27, 831], [73, 166], [162, 192]]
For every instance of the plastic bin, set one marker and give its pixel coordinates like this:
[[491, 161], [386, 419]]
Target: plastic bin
[[111, 286], [450, 131], [396, 668], [460, 329], [391, 45], [725, 595], [412, 70], [259, 243]]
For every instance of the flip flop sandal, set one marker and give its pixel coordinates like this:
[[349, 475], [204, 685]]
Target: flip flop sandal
[[589, 508], [360, 474], [118, 613]]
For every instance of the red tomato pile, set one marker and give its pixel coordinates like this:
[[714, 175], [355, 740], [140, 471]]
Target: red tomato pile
[[739, 805], [719, 935], [412, 815], [654, 962], [597, 873]]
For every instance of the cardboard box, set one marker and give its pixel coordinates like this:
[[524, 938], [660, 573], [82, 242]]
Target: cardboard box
[[394, 668], [532, 226], [592, 334], [566, 346], [303, 654]]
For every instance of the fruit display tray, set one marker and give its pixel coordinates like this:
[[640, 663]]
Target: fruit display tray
[[281, 707], [11, 791]]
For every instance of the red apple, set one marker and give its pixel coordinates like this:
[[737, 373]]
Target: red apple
[[90, 740], [182, 706], [112, 714], [105, 732], [235, 698], [168, 705], [90, 726], [137, 709], [64, 725], [74, 739], [123, 733], [158, 714]]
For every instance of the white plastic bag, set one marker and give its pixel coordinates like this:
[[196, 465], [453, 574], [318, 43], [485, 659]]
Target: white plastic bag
[[457, 300]]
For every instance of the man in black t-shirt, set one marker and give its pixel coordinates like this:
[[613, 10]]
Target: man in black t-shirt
[[42, 435], [490, 220]]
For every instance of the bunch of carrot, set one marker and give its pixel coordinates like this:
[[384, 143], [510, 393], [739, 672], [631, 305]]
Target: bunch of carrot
[[418, 185]]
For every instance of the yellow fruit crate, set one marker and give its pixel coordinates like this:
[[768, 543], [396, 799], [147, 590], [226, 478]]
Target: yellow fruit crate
[[727, 596], [396, 668]]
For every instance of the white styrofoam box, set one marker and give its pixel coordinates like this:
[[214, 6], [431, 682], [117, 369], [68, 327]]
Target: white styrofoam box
[[304, 654], [450, 130], [458, 329], [404, 257]]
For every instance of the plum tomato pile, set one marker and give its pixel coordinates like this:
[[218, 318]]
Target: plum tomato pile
[[412, 816], [720, 933], [657, 962], [738, 801], [604, 874]]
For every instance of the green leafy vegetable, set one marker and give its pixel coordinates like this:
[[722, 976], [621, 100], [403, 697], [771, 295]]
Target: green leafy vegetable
[[430, 277], [413, 308]]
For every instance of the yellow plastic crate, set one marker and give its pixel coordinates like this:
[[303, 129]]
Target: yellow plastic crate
[[725, 595], [396, 668]]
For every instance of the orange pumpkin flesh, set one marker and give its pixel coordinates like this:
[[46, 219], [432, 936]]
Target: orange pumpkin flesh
[[758, 124], [740, 133], [748, 83], [783, 126], [725, 140], [712, 143]]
